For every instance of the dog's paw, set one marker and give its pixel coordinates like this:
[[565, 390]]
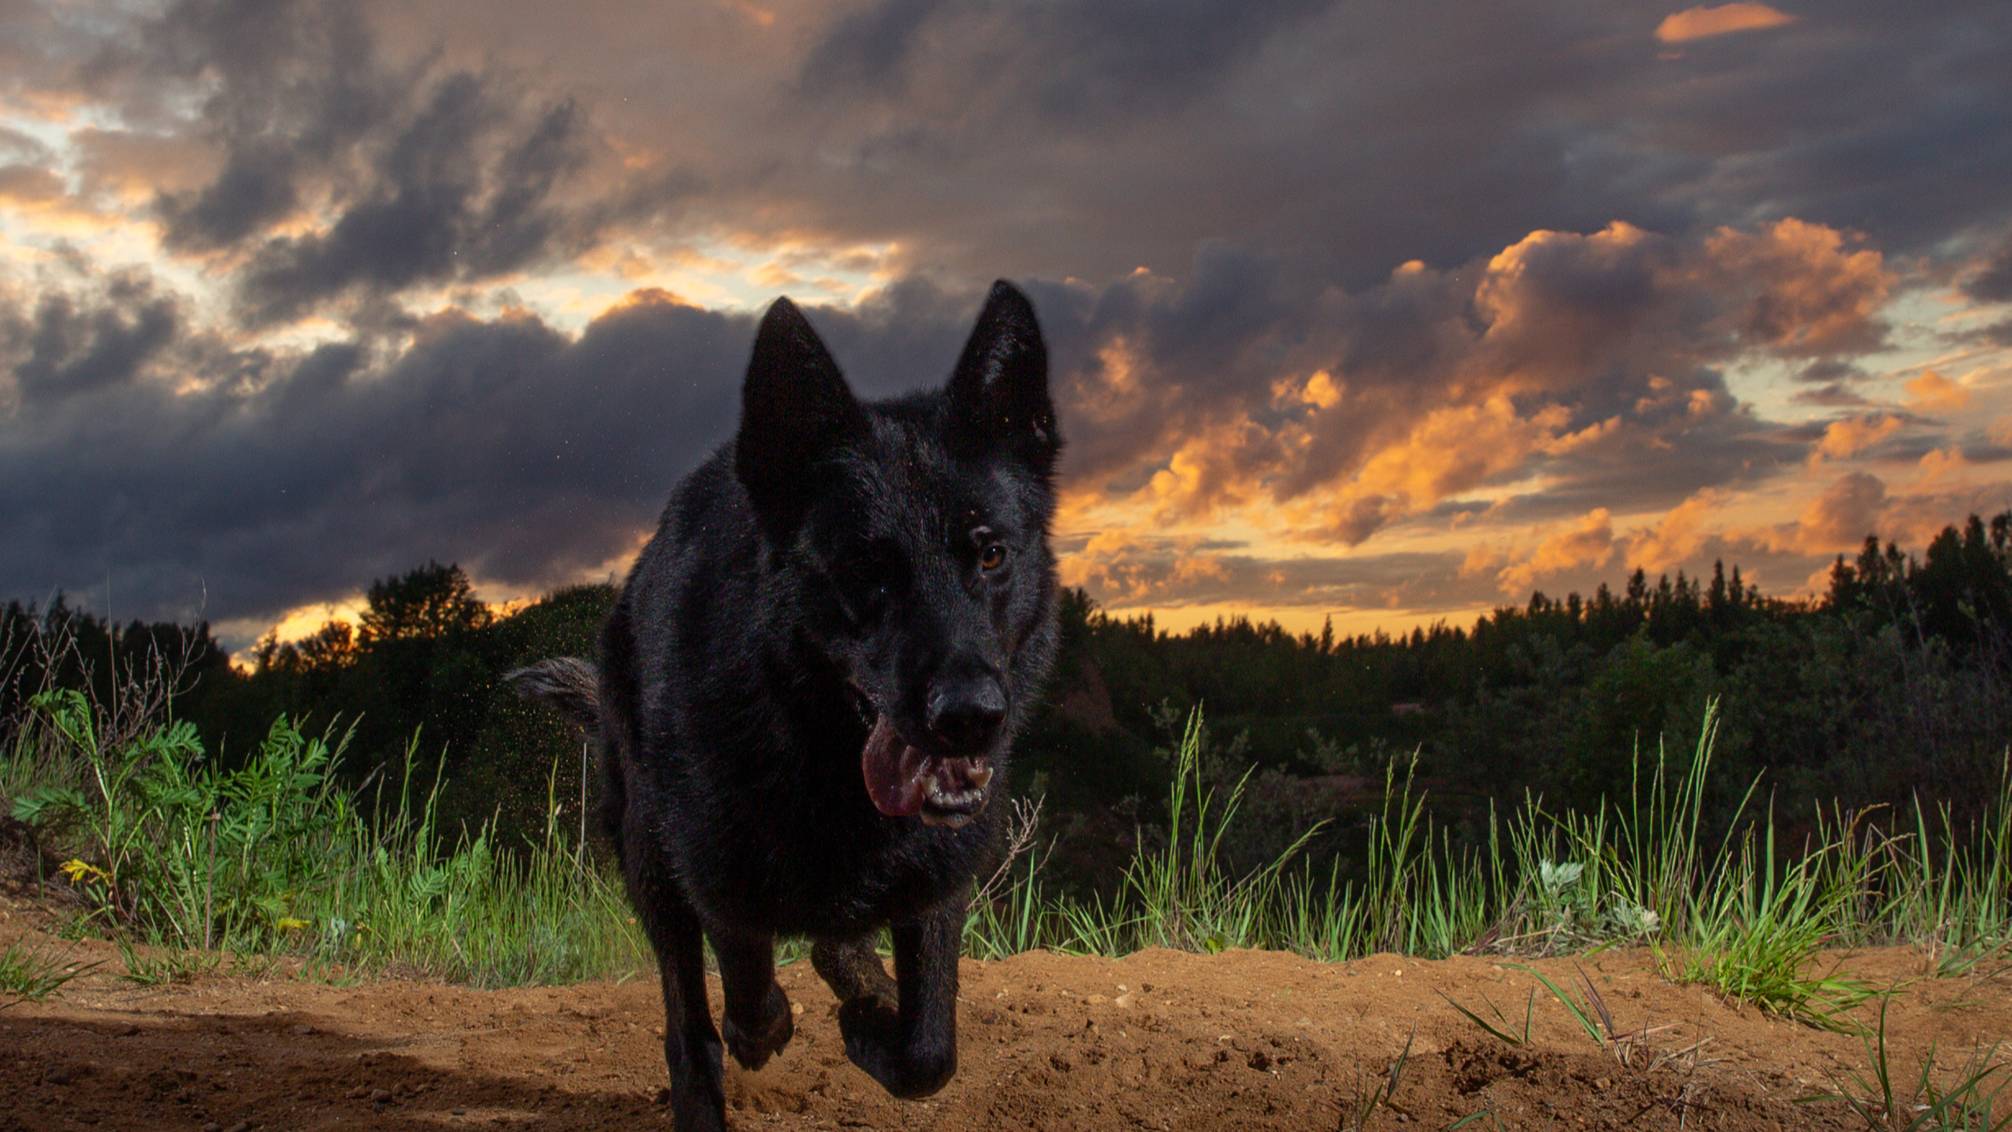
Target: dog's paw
[[753, 1048], [852, 971], [872, 1032]]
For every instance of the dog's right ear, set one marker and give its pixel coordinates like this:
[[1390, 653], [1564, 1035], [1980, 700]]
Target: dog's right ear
[[796, 410]]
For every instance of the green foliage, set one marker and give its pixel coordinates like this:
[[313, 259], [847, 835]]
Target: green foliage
[[1973, 1100], [1741, 914], [172, 847], [29, 974], [430, 602], [277, 856]]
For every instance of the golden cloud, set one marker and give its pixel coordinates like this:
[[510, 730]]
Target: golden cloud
[[1941, 470], [1934, 393], [1125, 569], [1849, 436], [1840, 518], [1706, 21], [1589, 543], [1678, 535], [1817, 295]]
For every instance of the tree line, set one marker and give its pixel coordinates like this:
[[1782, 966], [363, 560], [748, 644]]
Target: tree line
[[1891, 683]]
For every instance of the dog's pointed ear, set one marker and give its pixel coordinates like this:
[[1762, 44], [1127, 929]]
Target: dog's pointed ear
[[796, 411], [999, 391]]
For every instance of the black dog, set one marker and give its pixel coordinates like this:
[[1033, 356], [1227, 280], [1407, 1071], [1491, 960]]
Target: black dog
[[809, 687]]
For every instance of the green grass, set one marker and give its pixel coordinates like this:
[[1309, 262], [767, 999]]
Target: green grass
[[1743, 914], [31, 974], [278, 858], [1972, 1099]]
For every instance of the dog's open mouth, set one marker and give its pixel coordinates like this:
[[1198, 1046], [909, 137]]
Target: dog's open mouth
[[902, 780]]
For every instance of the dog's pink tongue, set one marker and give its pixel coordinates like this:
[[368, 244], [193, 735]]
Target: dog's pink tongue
[[896, 773]]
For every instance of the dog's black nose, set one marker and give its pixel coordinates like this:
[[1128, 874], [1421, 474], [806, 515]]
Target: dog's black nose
[[965, 712]]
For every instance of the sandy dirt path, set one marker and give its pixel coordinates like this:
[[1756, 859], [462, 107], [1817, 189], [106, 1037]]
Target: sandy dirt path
[[1156, 1040]]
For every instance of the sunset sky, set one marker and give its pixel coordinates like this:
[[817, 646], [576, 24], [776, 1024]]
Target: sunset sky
[[1384, 312]]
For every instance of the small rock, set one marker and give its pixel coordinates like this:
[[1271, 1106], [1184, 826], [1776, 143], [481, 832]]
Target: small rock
[[457, 1112], [379, 1096], [302, 1031], [60, 1075], [240, 1126]]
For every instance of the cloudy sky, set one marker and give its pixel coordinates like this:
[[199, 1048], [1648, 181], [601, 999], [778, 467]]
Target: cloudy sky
[[1380, 312]]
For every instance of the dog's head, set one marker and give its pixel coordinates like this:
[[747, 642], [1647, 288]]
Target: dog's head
[[916, 531]]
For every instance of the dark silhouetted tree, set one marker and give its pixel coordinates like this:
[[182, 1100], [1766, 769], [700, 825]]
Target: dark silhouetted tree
[[428, 603]]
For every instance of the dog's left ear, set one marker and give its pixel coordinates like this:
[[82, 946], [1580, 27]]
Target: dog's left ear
[[796, 412], [999, 391]]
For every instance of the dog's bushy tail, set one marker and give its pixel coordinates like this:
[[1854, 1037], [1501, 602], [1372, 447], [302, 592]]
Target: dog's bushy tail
[[567, 683]]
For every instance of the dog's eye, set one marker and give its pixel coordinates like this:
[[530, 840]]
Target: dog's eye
[[992, 557]]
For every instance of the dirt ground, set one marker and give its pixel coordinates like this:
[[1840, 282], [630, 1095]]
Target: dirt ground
[[1156, 1040]]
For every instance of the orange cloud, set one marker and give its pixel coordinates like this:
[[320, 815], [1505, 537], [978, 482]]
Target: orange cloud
[[1941, 469], [1214, 469], [1817, 295], [1849, 436], [1562, 309], [1124, 569], [1322, 391], [1704, 22], [1840, 518], [1454, 449], [1588, 544], [1934, 393], [1678, 535]]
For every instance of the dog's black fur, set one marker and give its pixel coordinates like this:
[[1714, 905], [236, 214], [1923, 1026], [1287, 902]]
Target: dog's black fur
[[841, 575]]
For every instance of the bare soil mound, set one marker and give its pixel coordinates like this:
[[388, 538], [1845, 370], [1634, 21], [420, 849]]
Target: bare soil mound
[[1155, 1040]]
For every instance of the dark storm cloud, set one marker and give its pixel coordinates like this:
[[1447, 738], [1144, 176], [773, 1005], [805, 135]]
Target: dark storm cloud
[[255, 191], [420, 173], [1829, 372], [866, 49], [1834, 395], [1993, 282], [1074, 139], [526, 453], [1084, 139], [1077, 60], [74, 349], [443, 211]]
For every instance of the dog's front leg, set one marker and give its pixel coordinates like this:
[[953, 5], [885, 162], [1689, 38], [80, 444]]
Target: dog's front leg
[[756, 1016], [911, 1049]]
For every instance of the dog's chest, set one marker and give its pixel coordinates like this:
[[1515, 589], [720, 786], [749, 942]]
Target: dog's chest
[[817, 864]]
